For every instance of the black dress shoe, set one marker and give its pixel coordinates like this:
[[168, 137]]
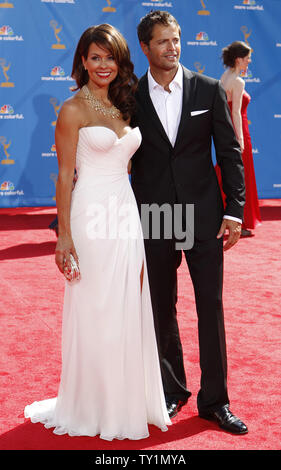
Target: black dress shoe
[[246, 233], [226, 420], [174, 405]]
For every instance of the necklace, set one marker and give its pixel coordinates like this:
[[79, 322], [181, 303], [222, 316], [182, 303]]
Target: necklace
[[98, 105]]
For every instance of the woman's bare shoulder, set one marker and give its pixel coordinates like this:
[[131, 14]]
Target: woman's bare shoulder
[[72, 109], [74, 103], [238, 82]]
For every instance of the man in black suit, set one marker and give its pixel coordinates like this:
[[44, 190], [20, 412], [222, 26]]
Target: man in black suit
[[179, 112]]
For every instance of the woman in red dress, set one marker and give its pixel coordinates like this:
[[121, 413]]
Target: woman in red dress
[[236, 58]]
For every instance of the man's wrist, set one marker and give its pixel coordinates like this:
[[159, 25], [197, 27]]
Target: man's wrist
[[232, 218]]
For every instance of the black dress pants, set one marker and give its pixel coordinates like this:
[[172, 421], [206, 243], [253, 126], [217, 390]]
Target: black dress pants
[[205, 263]]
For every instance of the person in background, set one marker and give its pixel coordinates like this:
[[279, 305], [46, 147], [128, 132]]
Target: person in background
[[236, 57]]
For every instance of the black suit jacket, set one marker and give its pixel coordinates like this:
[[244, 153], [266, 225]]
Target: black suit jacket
[[185, 173]]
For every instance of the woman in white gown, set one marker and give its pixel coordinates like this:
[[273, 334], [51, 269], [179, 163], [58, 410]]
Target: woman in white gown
[[110, 380]]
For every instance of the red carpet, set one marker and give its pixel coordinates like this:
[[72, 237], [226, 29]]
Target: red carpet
[[31, 291]]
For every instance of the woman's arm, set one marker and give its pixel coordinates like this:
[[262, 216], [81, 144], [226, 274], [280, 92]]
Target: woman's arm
[[237, 94], [66, 138]]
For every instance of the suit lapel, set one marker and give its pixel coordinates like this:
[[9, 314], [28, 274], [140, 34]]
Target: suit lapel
[[187, 101], [149, 109]]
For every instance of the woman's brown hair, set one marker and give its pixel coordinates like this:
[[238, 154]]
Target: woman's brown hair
[[122, 89], [237, 49]]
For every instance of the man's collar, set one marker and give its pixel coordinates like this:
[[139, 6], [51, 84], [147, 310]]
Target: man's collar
[[177, 80]]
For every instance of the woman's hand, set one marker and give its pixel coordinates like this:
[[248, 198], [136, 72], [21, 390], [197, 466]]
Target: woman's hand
[[64, 248]]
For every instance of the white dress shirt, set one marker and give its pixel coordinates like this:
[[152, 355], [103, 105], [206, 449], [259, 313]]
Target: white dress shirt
[[168, 106]]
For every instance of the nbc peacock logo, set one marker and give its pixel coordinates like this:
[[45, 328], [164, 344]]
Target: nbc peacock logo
[[7, 34], [57, 73], [7, 112], [6, 109], [247, 75], [248, 5], [202, 36], [70, 2], [202, 39], [157, 3], [7, 186], [6, 31]]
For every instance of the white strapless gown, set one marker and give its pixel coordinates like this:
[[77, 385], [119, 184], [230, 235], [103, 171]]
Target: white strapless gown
[[110, 380]]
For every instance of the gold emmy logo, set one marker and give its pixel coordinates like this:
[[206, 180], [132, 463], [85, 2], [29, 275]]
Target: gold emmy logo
[[109, 8], [54, 178], [246, 34], [56, 107], [57, 30], [5, 69], [7, 160], [6, 5], [198, 67], [204, 11]]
